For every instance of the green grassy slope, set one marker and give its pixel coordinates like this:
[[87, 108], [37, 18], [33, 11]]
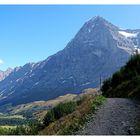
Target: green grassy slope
[[126, 81]]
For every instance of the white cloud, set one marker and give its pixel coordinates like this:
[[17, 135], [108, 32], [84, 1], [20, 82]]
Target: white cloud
[[1, 61]]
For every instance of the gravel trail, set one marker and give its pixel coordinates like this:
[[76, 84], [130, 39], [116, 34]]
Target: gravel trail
[[117, 116]]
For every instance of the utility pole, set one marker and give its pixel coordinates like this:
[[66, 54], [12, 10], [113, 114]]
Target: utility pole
[[100, 82], [136, 51]]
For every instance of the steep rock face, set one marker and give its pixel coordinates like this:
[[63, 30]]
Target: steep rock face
[[4, 74], [97, 50]]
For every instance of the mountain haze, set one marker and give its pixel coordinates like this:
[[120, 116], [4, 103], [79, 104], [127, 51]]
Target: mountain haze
[[97, 50]]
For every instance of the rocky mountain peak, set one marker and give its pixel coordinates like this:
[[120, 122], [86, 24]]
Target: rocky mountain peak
[[97, 28], [97, 50], [100, 22], [98, 19], [4, 74]]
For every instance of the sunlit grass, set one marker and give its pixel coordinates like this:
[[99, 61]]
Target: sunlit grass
[[12, 117], [8, 126]]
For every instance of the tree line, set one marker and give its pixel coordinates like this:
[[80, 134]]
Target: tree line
[[126, 81]]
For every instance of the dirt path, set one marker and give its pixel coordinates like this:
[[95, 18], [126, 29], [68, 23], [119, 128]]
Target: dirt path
[[117, 116]]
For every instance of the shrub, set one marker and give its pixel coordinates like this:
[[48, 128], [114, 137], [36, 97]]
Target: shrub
[[106, 85], [59, 111], [64, 108], [49, 117]]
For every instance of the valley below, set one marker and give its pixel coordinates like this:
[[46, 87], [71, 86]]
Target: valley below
[[24, 113], [115, 116]]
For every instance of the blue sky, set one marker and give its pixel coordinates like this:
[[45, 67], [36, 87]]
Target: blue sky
[[32, 33]]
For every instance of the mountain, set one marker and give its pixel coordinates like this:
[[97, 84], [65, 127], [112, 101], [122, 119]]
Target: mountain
[[4, 74], [97, 50]]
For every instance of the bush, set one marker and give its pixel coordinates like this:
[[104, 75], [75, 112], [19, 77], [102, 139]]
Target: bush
[[49, 117], [106, 85], [63, 109], [59, 111]]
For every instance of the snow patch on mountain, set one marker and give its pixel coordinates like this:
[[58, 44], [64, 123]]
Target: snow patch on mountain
[[128, 50], [71, 77], [63, 82], [11, 92], [126, 34], [89, 30], [87, 83], [98, 53], [36, 83], [2, 92]]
